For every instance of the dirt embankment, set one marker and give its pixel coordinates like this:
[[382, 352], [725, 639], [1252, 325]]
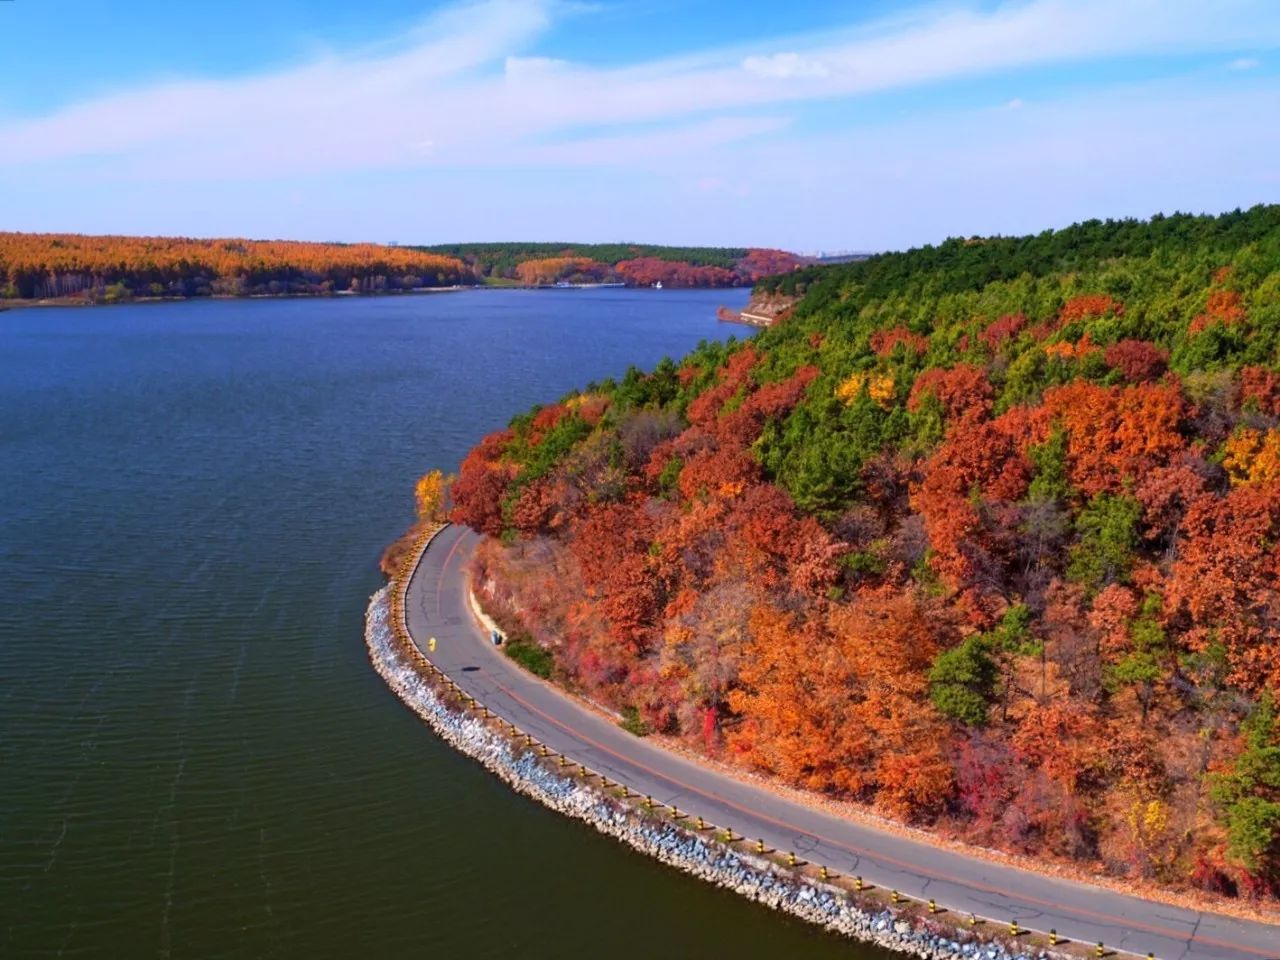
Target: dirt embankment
[[764, 310]]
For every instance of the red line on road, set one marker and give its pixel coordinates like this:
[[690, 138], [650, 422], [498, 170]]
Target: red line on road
[[857, 851], [444, 568]]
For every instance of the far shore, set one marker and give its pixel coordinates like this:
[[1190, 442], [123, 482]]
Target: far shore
[[82, 302], [456, 288]]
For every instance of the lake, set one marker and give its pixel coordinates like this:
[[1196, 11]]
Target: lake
[[197, 758]]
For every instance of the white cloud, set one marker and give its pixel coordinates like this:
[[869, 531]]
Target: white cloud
[[525, 68], [784, 66], [362, 110], [1244, 63], [467, 90], [1014, 104], [1138, 150], [626, 150]]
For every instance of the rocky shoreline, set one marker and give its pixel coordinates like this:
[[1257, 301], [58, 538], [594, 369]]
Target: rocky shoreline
[[756, 878]]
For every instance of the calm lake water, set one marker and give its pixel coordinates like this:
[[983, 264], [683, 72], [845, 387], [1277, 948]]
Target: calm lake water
[[196, 759]]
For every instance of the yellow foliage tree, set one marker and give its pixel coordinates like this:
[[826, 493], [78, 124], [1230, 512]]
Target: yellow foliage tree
[[879, 387], [431, 494], [1148, 823], [1252, 456]]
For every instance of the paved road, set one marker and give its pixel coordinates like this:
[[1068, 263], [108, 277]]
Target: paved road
[[436, 606]]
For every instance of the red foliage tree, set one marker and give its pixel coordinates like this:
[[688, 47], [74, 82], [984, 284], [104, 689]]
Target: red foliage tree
[[1226, 582], [482, 484], [761, 262], [1137, 360], [1003, 329], [1260, 389], [962, 390], [884, 342], [646, 271], [978, 463]]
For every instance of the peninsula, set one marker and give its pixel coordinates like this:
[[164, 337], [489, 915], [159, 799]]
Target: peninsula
[[979, 537]]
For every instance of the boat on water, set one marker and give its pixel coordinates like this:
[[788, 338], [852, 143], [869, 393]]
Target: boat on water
[[658, 285]]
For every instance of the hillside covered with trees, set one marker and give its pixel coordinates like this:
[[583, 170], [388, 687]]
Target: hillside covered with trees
[[46, 265], [638, 265], [985, 534]]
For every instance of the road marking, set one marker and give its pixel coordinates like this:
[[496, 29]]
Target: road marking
[[444, 568]]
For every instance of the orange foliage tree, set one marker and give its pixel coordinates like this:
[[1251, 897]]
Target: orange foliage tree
[[47, 264], [1116, 434]]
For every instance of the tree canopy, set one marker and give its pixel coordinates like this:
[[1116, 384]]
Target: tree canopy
[[983, 534]]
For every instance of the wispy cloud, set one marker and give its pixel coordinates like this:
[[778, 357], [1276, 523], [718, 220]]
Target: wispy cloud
[[398, 139], [467, 88]]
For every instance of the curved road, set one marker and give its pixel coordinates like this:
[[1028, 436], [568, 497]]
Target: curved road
[[436, 606]]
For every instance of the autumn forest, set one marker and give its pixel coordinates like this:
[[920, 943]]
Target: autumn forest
[[982, 535], [47, 265]]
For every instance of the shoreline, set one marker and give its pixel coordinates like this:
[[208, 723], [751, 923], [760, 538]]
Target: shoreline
[[21, 303], [17, 303], [869, 915]]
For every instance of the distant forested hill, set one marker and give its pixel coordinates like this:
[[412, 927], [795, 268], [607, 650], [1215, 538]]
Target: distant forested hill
[[634, 264], [985, 534]]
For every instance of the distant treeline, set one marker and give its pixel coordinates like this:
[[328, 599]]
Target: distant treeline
[[959, 265], [111, 268], [502, 259], [635, 264]]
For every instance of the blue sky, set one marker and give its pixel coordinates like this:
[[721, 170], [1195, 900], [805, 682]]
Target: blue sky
[[805, 125]]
